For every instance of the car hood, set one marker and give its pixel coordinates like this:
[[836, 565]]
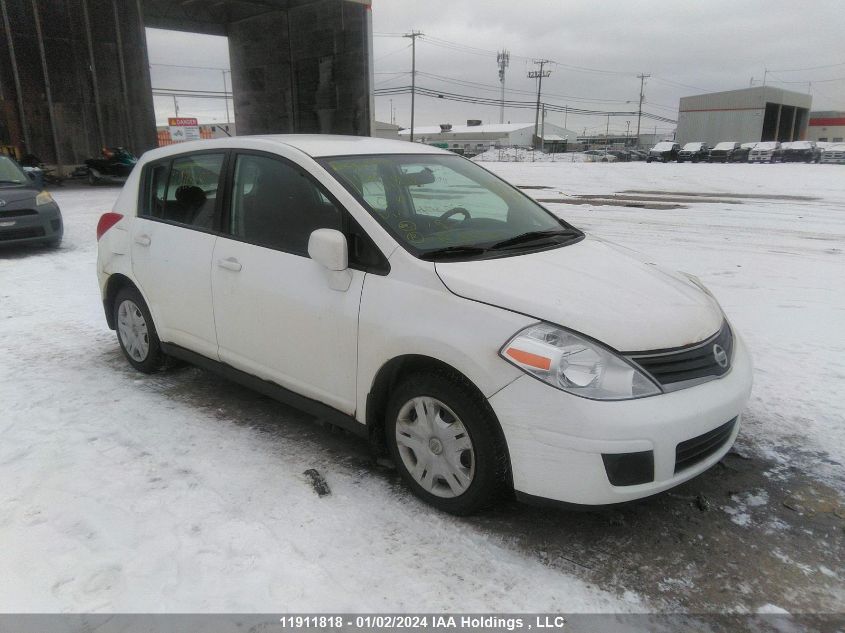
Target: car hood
[[594, 287], [17, 194]]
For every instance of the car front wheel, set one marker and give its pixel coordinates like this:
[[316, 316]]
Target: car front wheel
[[445, 442], [136, 333]]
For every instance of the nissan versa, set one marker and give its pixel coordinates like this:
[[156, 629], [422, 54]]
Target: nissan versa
[[27, 213], [408, 294]]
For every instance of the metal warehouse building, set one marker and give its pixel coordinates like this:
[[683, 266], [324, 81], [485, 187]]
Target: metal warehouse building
[[762, 113], [826, 126]]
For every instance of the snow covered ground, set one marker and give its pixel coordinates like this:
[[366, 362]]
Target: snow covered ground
[[776, 265], [122, 492]]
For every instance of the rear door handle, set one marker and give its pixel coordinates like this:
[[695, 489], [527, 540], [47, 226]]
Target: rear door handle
[[143, 240], [230, 263]]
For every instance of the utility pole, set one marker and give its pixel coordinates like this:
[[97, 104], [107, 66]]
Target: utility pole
[[765, 72], [642, 79], [607, 134], [538, 75], [503, 59], [627, 132], [176, 105], [226, 95], [543, 130], [413, 35]]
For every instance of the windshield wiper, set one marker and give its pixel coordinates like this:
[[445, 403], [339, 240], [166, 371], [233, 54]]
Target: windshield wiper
[[456, 251], [533, 236], [10, 182]]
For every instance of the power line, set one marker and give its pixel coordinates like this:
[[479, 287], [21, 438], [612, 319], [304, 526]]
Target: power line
[[492, 101], [193, 67], [796, 70], [482, 86], [391, 53], [815, 81]]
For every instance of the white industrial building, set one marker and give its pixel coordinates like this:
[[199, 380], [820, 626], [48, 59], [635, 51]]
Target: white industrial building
[[762, 113], [381, 129], [475, 137], [826, 126]]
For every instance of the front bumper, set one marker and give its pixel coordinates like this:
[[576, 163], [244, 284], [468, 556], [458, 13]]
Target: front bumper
[[31, 224], [556, 440]]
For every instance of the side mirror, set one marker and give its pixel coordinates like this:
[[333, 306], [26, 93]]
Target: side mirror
[[328, 248]]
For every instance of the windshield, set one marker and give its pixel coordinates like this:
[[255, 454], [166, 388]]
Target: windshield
[[724, 145], [692, 147], [662, 147], [765, 146], [436, 205], [10, 173]]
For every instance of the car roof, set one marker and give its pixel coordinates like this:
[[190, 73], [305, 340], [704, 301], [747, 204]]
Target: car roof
[[315, 145]]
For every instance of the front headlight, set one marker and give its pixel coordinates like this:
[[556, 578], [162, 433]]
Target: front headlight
[[43, 198], [576, 365]]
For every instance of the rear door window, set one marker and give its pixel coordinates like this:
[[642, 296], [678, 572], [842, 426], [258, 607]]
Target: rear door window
[[184, 190]]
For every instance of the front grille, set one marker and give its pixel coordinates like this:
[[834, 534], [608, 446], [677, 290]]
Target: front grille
[[20, 234], [691, 452], [692, 363], [17, 213]]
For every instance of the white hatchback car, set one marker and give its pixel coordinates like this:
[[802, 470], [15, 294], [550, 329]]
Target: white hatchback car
[[409, 295]]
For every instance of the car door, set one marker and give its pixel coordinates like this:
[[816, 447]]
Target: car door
[[172, 243], [277, 316]]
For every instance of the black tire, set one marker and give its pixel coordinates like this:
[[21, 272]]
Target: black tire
[[491, 461], [154, 359], [92, 179], [648, 160]]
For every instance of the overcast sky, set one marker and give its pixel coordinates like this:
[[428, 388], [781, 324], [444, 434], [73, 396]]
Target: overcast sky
[[598, 49]]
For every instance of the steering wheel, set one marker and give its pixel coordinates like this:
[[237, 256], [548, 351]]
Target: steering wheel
[[456, 211]]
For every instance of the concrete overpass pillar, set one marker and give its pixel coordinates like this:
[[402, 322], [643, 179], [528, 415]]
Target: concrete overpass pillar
[[72, 59], [302, 69]]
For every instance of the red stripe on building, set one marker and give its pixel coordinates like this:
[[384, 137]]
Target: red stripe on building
[[721, 109], [828, 122]]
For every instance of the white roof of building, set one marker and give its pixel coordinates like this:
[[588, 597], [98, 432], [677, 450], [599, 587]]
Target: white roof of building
[[489, 128]]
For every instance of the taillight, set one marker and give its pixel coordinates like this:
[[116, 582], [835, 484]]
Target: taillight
[[107, 220]]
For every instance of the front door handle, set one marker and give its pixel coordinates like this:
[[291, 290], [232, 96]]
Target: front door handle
[[230, 263], [143, 240]]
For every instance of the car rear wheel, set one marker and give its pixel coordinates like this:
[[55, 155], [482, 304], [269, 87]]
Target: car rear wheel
[[446, 443], [136, 332]]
